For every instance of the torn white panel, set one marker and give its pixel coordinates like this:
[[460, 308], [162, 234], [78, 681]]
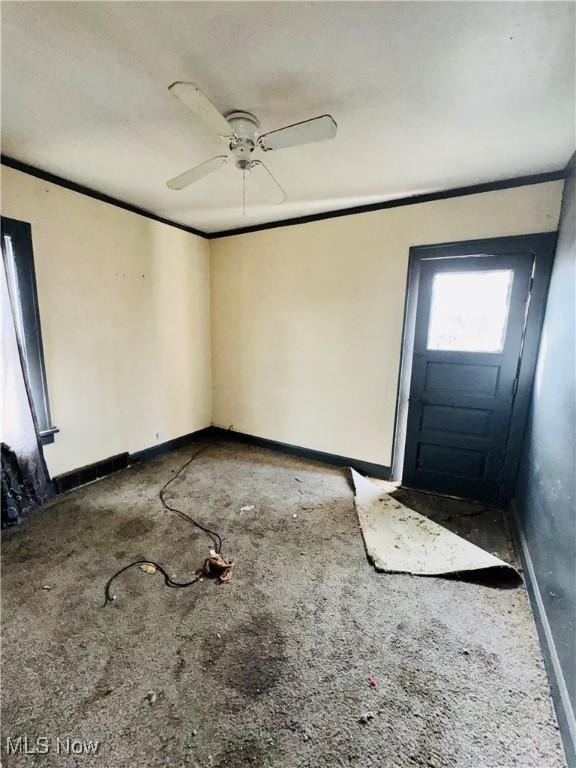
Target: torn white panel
[[400, 540]]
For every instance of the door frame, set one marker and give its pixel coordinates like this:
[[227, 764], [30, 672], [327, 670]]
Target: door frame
[[542, 246]]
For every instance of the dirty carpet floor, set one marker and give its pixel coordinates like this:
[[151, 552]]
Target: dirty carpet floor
[[272, 669]]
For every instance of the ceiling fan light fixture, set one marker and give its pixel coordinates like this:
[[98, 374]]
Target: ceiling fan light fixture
[[240, 131]]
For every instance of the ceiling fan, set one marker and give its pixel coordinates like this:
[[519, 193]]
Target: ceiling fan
[[240, 132]]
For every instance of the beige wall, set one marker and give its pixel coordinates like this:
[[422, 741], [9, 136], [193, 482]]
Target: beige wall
[[307, 320], [124, 307], [304, 322]]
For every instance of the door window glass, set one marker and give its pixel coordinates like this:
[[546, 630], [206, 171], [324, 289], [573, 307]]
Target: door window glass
[[469, 310]]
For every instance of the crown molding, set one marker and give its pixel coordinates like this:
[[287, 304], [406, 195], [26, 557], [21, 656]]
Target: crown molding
[[31, 170], [475, 189]]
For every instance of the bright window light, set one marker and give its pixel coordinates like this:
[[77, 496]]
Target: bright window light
[[469, 310]]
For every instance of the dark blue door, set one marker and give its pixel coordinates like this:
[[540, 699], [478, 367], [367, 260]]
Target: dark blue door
[[468, 337]]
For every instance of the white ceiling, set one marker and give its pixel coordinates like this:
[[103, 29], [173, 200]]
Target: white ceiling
[[427, 96]]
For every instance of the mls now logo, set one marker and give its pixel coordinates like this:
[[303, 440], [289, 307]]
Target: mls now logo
[[22, 745]]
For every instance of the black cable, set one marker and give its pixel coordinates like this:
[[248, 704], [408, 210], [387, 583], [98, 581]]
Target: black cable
[[213, 535], [168, 580]]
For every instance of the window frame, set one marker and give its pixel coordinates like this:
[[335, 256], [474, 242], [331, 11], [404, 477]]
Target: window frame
[[20, 274]]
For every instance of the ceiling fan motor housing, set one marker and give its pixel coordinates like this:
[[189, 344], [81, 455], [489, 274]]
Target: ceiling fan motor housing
[[240, 131], [243, 144]]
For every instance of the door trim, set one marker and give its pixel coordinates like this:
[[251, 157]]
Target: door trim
[[542, 246]]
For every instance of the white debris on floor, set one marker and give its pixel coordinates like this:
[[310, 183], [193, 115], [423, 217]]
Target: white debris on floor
[[400, 540]]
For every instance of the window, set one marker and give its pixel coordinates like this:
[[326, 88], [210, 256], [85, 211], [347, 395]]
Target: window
[[19, 264], [469, 310]]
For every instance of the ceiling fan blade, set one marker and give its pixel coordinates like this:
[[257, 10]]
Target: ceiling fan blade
[[193, 98], [267, 183], [188, 177], [316, 129]]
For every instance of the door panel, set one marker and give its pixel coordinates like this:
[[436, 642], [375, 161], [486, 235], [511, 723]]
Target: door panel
[[469, 327], [470, 378], [455, 420], [462, 462]]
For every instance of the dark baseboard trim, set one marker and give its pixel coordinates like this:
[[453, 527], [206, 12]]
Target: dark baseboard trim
[[366, 467], [475, 189], [560, 695], [31, 170], [83, 475], [69, 480], [77, 477], [170, 445]]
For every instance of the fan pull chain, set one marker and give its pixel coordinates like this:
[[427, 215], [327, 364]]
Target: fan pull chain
[[243, 193]]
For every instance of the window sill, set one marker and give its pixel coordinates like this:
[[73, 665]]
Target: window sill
[[47, 435]]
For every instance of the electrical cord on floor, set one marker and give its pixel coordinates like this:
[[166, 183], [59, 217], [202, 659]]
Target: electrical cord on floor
[[216, 538], [168, 580]]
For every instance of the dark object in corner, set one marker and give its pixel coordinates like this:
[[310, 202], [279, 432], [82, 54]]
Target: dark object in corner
[[19, 491]]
